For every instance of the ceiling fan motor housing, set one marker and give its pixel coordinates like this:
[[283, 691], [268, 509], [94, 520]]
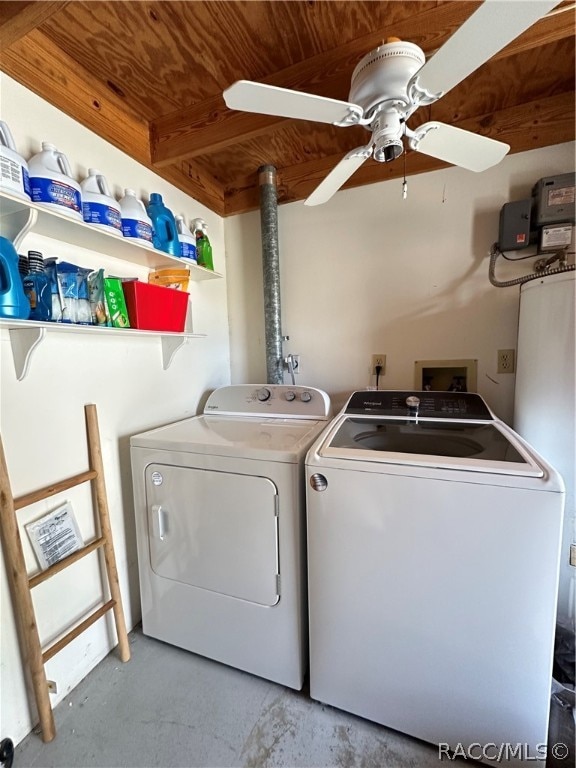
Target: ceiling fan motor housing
[[384, 74]]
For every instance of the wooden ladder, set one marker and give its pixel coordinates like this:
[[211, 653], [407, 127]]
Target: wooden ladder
[[21, 584]]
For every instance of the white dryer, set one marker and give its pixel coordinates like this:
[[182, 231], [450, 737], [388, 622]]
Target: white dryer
[[433, 551], [220, 524]]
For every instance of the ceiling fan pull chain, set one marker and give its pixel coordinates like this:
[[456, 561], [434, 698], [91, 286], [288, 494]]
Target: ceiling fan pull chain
[[404, 183]]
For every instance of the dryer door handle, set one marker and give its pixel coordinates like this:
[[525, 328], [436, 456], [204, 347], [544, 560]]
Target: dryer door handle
[[159, 522]]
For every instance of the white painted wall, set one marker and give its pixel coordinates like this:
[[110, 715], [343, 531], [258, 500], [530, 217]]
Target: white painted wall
[[42, 419], [369, 272]]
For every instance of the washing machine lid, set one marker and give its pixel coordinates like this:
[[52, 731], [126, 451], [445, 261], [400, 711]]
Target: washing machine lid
[[448, 430], [270, 439], [476, 446]]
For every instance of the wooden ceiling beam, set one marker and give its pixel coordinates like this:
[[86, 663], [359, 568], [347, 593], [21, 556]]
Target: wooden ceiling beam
[[38, 64], [210, 126], [527, 126], [17, 19]]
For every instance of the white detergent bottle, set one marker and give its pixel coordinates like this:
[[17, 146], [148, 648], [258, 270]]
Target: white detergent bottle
[[52, 183], [136, 224], [99, 208], [187, 240], [14, 177]]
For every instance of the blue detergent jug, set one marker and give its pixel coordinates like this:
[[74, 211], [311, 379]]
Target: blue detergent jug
[[165, 235], [13, 301]]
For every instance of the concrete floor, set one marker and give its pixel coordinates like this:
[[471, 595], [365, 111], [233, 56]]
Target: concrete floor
[[167, 707]]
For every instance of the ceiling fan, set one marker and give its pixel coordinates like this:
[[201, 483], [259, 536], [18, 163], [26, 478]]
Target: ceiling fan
[[391, 82]]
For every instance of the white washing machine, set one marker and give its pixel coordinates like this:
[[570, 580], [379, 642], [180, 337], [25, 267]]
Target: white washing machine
[[220, 524], [433, 550]]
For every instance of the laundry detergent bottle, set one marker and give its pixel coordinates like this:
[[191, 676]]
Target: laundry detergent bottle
[[14, 177], [13, 301], [165, 234], [37, 288], [203, 245], [136, 224], [99, 208], [52, 184], [187, 240]]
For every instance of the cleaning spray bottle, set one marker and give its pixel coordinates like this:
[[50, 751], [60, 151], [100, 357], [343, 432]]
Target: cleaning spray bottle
[[13, 301], [14, 177], [52, 184], [165, 234], [203, 246]]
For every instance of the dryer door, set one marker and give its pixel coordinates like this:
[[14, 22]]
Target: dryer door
[[214, 530]]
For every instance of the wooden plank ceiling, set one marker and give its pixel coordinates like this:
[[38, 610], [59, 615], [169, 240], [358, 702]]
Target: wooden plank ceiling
[[148, 77]]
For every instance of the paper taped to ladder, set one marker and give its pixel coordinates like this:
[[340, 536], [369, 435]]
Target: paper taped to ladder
[[55, 535]]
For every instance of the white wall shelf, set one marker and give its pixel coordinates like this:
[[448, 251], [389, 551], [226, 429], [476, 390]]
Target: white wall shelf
[[18, 217], [26, 335]]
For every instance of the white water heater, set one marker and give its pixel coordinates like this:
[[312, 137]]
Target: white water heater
[[544, 407]]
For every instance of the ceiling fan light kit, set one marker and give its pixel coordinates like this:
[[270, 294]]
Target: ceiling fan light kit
[[391, 82]]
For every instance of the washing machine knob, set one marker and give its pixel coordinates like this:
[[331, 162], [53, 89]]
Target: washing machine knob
[[290, 396], [306, 397], [263, 394], [413, 404]]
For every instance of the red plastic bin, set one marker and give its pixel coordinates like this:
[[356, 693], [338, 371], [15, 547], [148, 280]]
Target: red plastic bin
[[154, 307]]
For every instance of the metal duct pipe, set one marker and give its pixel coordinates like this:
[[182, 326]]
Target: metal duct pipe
[[271, 271]]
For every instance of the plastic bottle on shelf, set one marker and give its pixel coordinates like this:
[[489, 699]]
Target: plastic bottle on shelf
[[186, 239], [165, 234], [52, 184], [13, 301], [37, 288], [14, 176], [203, 245], [136, 224], [99, 208], [23, 267]]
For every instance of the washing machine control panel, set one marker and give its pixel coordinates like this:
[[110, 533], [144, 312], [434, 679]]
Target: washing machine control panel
[[432, 405], [274, 400]]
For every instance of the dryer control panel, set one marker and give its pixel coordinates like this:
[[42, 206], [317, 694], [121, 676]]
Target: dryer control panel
[[432, 405], [270, 400]]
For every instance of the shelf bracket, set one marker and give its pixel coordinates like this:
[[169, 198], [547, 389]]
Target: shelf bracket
[[24, 341], [17, 224], [170, 345]]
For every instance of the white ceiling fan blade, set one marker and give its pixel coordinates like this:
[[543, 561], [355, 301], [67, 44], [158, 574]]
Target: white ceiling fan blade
[[454, 145], [248, 96], [495, 24], [338, 175]]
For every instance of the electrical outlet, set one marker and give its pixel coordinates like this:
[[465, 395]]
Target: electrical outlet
[[378, 359], [573, 554], [506, 361], [295, 361]]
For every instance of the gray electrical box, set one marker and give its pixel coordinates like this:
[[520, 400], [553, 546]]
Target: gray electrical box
[[514, 231], [553, 200]]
